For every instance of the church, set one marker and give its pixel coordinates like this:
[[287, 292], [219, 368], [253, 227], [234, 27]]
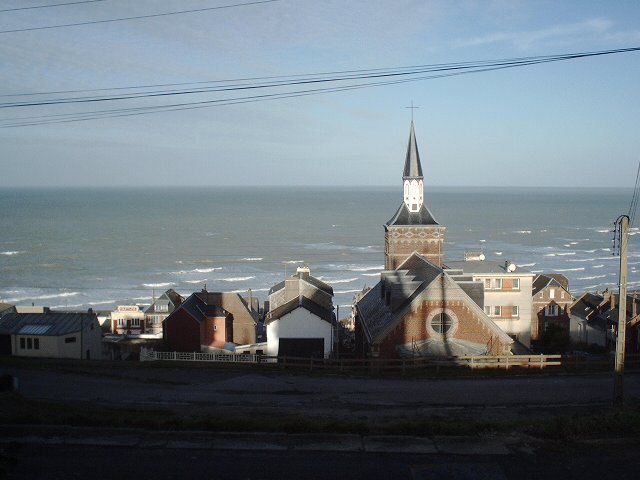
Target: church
[[420, 307]]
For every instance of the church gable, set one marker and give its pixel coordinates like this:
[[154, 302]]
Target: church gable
[[442, 321]]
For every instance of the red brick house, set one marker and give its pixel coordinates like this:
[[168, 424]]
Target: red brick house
[[211, 320], [551, 304], [420, 310]]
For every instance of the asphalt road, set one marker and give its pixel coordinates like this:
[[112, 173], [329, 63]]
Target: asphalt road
[[82, 462], [338, 397]]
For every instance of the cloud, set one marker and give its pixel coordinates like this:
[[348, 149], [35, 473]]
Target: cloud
[[554, 35]]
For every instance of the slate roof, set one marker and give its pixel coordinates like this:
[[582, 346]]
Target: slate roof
[[395, 290], [412, 167], [170, 295], [58, 323], [586, 305], [319, 284], [201, 305], [484, 267], [545, 280], [301, 302], [404, 217]]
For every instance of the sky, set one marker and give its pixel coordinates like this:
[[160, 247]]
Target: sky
[[562, 124]]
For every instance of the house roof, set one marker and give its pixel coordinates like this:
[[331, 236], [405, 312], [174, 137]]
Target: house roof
[[545, 280], [47, 324], [305, 276], [404, 217], [170, 296], [301, 302], [412, 167], [487, 267], [204, 304], [6, 308], [585, 305], [386, 303]]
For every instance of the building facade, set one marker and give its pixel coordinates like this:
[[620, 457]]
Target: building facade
[[413, 228], [551, 304], [127, 320], [53, 334], [507, 294], [160, 309]]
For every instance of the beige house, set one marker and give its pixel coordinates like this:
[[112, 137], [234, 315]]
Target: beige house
[[53, 334]]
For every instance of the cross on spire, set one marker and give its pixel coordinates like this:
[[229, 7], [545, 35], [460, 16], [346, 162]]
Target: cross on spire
[[412, 109]]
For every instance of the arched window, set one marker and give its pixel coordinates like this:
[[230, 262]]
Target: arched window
[[441, 323]]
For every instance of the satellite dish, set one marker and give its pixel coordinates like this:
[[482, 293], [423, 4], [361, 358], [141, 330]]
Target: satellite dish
[[481, 257], [511, 267]]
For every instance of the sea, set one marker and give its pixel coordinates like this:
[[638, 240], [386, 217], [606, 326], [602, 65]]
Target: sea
[[92, 247]]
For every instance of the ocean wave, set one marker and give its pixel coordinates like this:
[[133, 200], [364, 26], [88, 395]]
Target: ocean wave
[[142, 298], [11, 252], [605, 249], [482, 241], [594, 277], [564, 254], [337, 292], [44, 297], [293, 261], [582, 260], [542, 231], [252, 259], [521, 265], [196, 281], [345, 280], [244, 290], [525, 232], [76, 305], [370, 274], [157, 285], [604, 231], [598, 266], [196, 270], [366, 269], [578, 269], [236, 279], [498, 253], [105, 302]]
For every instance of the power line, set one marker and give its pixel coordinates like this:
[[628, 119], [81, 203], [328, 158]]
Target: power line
[[386, 73], [113, 113], [139, 17], [49, 6]]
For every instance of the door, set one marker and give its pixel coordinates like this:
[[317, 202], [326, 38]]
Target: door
[[301, 347]]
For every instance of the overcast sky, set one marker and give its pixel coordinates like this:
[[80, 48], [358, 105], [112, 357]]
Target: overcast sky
[[562, 124]]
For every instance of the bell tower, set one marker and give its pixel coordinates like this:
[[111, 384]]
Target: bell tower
[[413, 228]]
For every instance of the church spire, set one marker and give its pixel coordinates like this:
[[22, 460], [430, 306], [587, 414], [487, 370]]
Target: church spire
[[412, 176], [412, 167]]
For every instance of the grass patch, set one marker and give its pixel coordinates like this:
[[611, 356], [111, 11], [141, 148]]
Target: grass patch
[[16, 410]]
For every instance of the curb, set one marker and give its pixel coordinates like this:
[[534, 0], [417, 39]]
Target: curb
[[250, 441]]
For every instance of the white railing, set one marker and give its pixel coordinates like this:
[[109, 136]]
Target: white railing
[[150, 355]]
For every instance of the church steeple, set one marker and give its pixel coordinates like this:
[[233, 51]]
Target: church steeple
[[412, 167], [412, 176]]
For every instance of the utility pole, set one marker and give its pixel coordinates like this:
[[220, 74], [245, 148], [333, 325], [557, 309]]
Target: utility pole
[[623, 222]]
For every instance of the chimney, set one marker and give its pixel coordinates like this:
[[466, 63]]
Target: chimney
[[90, 310]]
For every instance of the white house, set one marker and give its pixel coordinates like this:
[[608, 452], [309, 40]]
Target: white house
[[300, 328], [53, 334]]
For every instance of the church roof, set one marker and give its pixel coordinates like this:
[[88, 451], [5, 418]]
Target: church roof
[[404, 217], [384, 306], [412, 167]]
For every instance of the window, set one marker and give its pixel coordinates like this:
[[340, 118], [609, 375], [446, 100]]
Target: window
[[135, 322], [552, 293], [487, 284], [515, 311], [497, 284], [70, 340], [22, 345], [36, 344], [497, 311], [551, 311], [441, 323], [487, 309], [215, 328], [516, 284], [562, 295], [162, 307], [121, 322], [29, 343]]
